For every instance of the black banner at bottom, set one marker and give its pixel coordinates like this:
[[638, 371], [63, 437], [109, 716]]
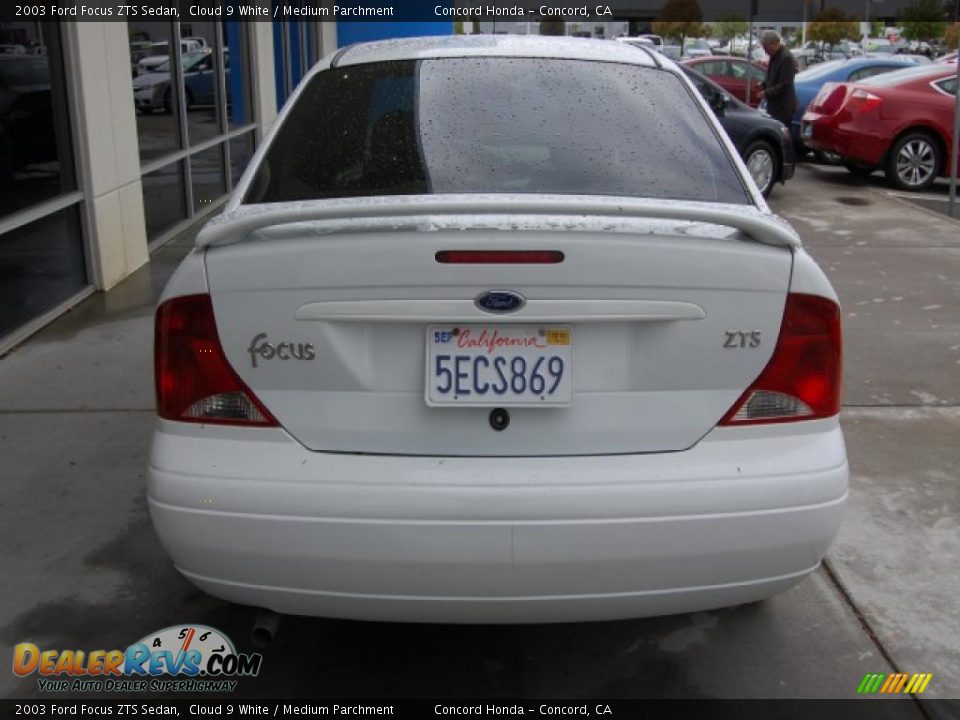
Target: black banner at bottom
[[858, 709]]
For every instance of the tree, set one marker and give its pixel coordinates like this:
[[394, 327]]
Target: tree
[[832, 26], [923, 20], [729, 25], [679, 19], [953, 36]]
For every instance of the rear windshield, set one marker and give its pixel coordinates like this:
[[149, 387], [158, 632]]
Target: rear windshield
[[496, 125]]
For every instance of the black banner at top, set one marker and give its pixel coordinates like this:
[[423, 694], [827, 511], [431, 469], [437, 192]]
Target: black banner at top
[[504, 13]]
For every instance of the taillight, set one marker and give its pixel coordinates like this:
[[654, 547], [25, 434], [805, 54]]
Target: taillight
[[802, 379], [863, 101], [195, 383], [830, 98]]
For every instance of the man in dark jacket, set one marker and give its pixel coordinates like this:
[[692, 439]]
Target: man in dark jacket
[[777, 88]]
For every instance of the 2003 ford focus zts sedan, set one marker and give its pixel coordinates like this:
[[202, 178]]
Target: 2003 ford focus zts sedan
[[497, 329]]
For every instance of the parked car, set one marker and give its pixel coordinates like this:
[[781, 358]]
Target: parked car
[[497, 356], [949, 58], [732, 74], [674, 52], [697, 47], [158, 53], [763, 142], [809, 82], [883, 46], [914, 58], [901, 122], [151, 91], [759, 56], [825, 52]]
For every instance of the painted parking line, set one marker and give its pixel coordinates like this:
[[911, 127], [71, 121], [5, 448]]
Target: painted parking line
[[916, 196]]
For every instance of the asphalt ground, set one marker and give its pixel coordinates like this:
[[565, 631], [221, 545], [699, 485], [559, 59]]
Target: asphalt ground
[[83, 569], [936, 198]]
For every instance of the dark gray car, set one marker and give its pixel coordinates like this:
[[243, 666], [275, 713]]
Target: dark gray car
[[763, 142]]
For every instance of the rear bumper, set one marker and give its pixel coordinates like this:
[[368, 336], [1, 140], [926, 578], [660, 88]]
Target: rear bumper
[[737, 518], [843, 139]]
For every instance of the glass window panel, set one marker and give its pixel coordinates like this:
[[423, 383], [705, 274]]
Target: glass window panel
[[36, 155], [279, 64], [156, 102], [295, 68], [715, 68], [201, 81], [241, 150], [41, 266], [206, 169], [163, 199], [461, 125], [949, 86], [236, 61]]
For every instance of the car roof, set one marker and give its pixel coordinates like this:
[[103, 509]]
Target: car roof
[[517, 46], [878, 60], [708, 58], [930, 72]]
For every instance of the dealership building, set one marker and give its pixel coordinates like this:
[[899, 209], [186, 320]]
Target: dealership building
[[111, 145]]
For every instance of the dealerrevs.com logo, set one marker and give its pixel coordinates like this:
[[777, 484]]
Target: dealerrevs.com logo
[[181, 658]]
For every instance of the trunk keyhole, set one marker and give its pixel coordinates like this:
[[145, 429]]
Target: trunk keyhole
[[499, 419]]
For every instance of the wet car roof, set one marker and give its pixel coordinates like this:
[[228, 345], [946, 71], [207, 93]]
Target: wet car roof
[[534, 46]]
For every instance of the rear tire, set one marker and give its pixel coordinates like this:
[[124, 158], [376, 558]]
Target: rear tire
[[762, 162], [914, 162]]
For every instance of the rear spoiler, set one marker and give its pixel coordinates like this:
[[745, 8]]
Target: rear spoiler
[[504, 212]]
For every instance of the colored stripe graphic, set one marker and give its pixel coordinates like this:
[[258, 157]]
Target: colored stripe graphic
[[870, 683], [890, 683], [918, 683], [895, 683]]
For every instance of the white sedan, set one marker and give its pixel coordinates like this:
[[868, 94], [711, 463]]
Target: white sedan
[[497, 329]]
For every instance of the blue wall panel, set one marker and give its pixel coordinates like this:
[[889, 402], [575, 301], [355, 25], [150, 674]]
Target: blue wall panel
[[351, 32]]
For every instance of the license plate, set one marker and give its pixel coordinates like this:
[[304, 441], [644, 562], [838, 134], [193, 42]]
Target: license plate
[[807, 131], [499, 365]]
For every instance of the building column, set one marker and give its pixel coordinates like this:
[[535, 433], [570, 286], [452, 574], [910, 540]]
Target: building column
[[328, 38], [109, 156], [264, 84]]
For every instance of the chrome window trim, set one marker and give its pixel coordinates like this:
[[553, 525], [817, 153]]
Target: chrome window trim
[[935, 84]]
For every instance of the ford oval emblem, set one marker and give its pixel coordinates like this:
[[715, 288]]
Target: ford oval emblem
[[500, 301]]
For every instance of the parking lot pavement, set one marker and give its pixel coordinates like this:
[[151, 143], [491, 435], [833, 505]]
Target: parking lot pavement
[[935, 198], [85, 571], [896, 270]]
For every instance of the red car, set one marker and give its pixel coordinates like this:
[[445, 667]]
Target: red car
[[732, 74], [901, 122]]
